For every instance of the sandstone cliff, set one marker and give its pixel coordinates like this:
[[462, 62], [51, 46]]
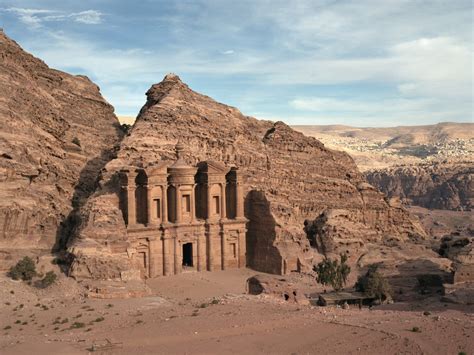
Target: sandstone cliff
[[57, 132], [289, 178], [439, 185]]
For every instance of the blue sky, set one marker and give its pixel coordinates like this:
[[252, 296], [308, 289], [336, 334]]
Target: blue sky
[[362, 63]]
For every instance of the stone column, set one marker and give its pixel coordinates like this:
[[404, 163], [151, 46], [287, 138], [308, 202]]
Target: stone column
[[164, 204], [198, 254], [242, 249], [223, 249], [209, 201], [166, 257], [178, 204], [193, 203], [149, 206], [151, 259], [210, 251], [239, 201], [223, 201], [176, 257], [131, 205]]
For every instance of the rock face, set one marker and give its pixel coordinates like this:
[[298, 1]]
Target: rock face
[[288, 178], [461, 251], [57, 132], [441, 185]]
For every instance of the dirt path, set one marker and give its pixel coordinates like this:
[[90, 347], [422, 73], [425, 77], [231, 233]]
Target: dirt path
[[209, 313]]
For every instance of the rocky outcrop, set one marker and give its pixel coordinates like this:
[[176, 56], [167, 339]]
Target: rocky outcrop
[[288, 178], [441, 185], [57, 132], [461, 250]]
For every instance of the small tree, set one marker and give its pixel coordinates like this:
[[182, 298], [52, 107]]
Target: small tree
[[373, 284], [24, 269], [333, 272], [47, 280]]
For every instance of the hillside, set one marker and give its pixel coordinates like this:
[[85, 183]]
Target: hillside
[[57, 133], [289, 179], [428, 166], [375, 148]]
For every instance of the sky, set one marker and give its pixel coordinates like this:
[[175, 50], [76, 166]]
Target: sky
[[360, 63]]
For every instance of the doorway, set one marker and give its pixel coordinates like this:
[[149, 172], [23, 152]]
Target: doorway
[[142, 263], [188, 255]]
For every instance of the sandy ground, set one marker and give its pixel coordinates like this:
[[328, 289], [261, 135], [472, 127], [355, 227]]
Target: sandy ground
[[209, 313]]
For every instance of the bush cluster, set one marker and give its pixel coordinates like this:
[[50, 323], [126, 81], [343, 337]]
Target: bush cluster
[[373, 284], [333, 272], [24, 270], [48, 279]]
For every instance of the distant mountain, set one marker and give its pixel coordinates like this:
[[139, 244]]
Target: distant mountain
[[429, 166], [440, 132]]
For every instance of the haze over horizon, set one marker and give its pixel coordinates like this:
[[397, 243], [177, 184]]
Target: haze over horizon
[[357, 63]]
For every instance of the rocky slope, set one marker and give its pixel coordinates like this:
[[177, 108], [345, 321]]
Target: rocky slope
[[378, 148], [437, 185], [57, 132], [289, 178], [428, 166]]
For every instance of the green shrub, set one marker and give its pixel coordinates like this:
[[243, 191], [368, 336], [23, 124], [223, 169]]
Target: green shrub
[[7, 327], [333, 272], [47, 280], [24, 270], [76, 325], [416, 330], [373, 284], [76, 141]]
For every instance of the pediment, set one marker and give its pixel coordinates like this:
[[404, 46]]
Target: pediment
[[212, 167]]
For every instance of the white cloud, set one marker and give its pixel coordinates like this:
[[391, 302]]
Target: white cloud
[[30, 17], [423, 61], [90, 17], [36, 17]]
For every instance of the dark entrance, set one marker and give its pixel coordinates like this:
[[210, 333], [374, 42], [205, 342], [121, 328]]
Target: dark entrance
[[188, 254]]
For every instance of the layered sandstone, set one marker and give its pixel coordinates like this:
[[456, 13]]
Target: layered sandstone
[[438, 185], [57, 132], [288, 177]]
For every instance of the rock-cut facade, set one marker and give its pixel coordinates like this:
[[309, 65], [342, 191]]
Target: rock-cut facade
[[183, 218]]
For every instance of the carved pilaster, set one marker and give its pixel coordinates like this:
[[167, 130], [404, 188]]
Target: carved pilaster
[[242, 249], [223, 201], [131, 206], [239, 200], [164, 205], [149, 205], [166, 257], [177, 252], [223, 250], [178, 205], [210, 252], [209, 201], [193, 203]]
